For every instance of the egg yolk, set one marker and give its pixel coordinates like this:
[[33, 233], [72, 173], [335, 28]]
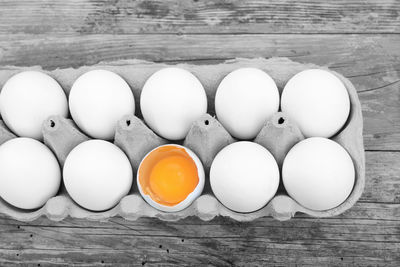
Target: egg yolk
[[168, 175]]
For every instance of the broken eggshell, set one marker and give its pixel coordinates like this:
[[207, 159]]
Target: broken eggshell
[[180, 162]]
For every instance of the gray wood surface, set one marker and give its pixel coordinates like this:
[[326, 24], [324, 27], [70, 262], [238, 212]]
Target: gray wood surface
[[199, 16], [358, 38]]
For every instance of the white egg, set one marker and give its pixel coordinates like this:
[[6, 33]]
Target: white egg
[[171, 100], [318, 173], [170, 177], [317, 101], [29, 173], [98, 99], [244, 176], [245, 99], [97, 174], [27, 99]]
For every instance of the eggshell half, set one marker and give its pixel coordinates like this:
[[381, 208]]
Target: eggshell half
[[190, 198]]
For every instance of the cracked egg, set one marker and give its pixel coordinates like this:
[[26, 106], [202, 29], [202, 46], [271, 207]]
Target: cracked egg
[[170, 177]]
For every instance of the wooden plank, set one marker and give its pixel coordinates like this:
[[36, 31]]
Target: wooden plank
[[220, 242], [371, 62], [367, 234], [381, 112], [175, 16], [84, 32], [118, 241], [382, 178]]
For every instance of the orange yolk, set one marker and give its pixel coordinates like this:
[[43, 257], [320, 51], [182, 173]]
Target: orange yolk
[[168, 175]]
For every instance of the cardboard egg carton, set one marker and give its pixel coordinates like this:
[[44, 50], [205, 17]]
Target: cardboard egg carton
[[206, 138]]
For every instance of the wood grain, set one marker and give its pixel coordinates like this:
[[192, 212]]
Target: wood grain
[[383, 181], [363, 56], [220, 242], [358, 38], [199, 16]]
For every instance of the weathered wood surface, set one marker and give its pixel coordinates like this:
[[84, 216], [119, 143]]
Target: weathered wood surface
[[358, 38], [199, 16]]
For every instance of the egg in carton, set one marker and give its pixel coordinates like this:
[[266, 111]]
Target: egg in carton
[[206, 138]]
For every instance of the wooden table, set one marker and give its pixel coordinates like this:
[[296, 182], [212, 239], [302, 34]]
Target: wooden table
[[358, 38]]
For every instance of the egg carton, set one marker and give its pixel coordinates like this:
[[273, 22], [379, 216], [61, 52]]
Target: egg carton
[[206, 138]]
